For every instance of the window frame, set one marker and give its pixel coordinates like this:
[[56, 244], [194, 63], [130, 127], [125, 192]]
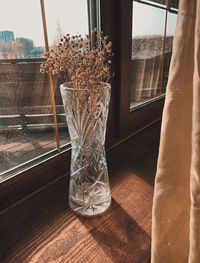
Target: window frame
[[116, 22], [51, 166], [131, 119]]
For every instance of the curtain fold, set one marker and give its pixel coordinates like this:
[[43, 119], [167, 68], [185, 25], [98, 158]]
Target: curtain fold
[[176, 204]]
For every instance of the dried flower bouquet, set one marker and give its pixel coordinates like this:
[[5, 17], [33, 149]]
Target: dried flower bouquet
[[84, 61]]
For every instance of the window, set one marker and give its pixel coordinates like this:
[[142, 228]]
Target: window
[[145, 53], [27, 133], [152, 37]]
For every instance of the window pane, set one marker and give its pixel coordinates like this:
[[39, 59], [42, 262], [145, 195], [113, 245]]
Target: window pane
[[64, 17], [147, 38], [26, 119]]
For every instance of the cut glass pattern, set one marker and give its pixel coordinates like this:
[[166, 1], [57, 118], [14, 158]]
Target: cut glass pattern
[[86, 113]]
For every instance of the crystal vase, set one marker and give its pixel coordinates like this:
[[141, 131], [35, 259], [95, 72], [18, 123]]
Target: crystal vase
[[86, 114]]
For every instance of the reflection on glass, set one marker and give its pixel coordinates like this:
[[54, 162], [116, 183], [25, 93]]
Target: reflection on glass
[[147, 39], [26, 116], [64, 17]]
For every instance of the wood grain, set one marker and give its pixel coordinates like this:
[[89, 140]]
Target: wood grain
[[43, 229]]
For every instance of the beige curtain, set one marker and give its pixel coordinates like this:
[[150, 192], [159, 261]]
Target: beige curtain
[[176, 204]]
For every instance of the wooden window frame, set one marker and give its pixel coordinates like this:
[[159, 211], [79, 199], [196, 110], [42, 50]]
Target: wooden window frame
[[116, 22], [52, 166], [133, 119]]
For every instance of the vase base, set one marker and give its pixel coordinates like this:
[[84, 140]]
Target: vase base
[[90, 210]]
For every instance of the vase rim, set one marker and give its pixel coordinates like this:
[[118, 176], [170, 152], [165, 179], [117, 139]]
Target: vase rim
[[62, 86]]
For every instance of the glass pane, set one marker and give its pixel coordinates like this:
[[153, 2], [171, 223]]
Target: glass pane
[[26, 119], [21, 34], [25, 106], [171, 25], [147, 39], [64, 17]]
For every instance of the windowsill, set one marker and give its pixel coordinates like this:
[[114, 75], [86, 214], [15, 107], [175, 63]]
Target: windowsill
[[43, 228], [138, 105]]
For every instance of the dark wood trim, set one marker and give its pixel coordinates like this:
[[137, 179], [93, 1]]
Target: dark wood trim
[[110, 24], [22, 60], [29, 181], [125, 61]]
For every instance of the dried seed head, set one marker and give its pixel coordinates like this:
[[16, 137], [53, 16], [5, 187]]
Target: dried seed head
[[84, 60]]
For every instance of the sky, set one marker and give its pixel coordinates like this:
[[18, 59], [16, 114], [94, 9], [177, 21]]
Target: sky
[[148, 20], [24, 18]]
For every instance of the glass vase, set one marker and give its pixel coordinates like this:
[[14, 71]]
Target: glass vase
[[86, 114]]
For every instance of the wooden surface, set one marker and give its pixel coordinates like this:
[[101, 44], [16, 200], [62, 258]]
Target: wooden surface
[[42, 229]]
